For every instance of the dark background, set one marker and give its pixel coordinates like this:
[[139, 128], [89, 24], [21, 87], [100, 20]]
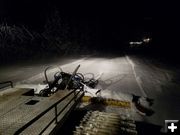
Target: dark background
[[110, 25], [118, 18]]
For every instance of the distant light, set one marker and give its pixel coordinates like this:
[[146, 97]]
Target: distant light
[[146, 40], [139, 43], [131, 43], [136, 43]]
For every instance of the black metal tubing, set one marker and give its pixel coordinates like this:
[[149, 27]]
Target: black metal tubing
[[10, 83], [60, 123], [56, 115], [45, 72], [44, 112], [73, 74]]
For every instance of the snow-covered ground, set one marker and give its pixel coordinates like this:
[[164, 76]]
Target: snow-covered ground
[[119, 78]]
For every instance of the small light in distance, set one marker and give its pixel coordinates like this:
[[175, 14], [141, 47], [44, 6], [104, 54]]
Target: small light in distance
[[146, 40], [136, 43]]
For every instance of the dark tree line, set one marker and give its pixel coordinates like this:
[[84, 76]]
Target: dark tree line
[[18, 42]]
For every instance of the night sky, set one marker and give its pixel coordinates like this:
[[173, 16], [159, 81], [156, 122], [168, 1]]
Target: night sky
[[121, 14], [109, 21]]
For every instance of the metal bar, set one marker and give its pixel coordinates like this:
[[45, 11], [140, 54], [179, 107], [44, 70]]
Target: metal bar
[[7, 82], [58, 114], [73, 74], [60, 123], [68, 103], [45, 74], [40, 115], [47, 125]]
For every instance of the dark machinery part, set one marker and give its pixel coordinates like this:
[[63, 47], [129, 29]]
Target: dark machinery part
[[91, 83], [63, 80], [6, 84]]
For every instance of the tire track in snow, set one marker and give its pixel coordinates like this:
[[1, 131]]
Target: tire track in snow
[[138, 79]]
